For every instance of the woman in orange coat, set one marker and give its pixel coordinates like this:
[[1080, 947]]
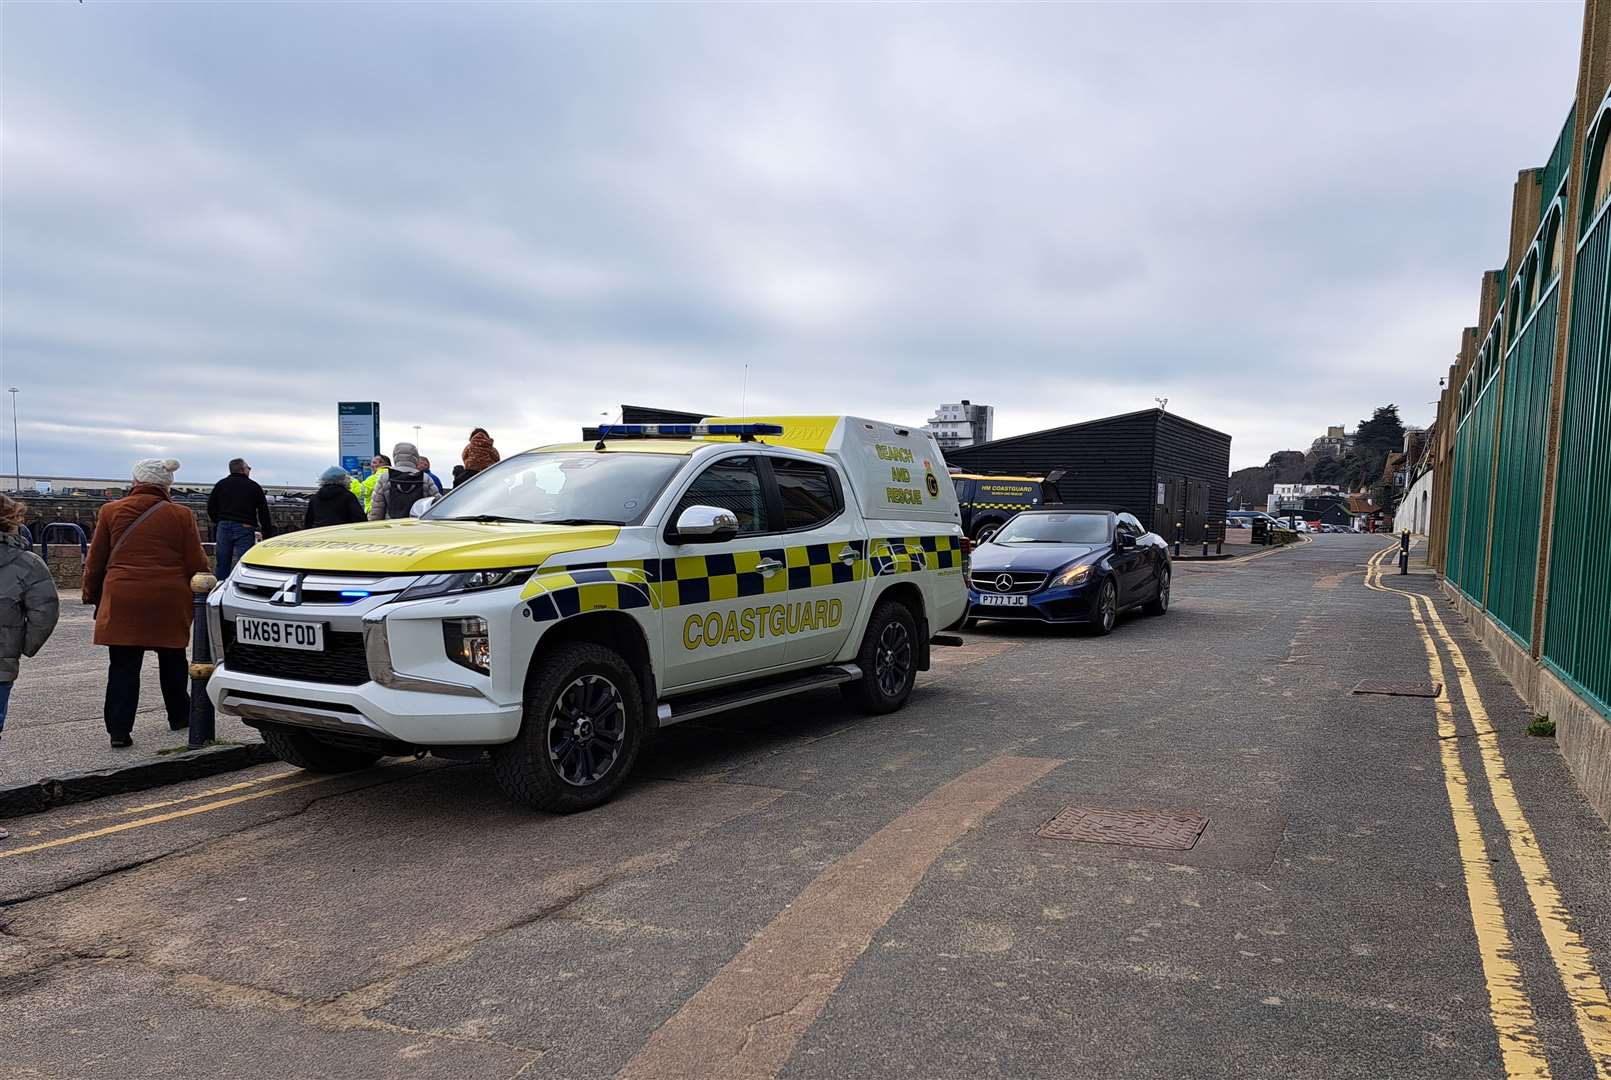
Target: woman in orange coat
[[145, 549]]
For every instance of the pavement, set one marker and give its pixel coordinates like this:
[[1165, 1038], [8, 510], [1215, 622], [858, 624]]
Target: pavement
[[55, 725], [1385, 886]]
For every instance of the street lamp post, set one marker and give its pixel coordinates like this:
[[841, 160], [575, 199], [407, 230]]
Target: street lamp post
[[416, 436], [16, 444]]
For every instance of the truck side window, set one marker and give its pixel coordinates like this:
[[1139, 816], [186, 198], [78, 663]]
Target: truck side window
[[732, 484], [808, 492]]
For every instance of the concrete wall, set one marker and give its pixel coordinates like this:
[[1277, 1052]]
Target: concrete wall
[[1415, 510]]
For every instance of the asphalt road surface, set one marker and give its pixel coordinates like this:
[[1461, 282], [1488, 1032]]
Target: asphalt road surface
[[1385, 886]]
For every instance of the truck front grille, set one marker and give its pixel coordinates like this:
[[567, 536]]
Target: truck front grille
[[342, 662]]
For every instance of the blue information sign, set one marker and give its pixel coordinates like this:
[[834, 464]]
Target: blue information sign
[[357, 434]]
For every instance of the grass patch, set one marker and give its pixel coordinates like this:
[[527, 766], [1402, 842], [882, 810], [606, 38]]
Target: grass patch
[[1542, 726]]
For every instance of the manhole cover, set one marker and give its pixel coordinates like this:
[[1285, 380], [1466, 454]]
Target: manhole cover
[[1400, 689], [1174, 830]]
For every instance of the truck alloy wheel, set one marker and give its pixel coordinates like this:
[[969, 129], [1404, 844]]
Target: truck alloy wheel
[[582, 729], [586, 730], [888, 660], [893, 665]]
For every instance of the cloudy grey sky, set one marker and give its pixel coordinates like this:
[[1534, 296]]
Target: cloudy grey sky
[[220, 220]]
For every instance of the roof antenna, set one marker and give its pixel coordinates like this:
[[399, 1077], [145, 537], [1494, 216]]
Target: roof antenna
[[744, 394], [1163, 403]]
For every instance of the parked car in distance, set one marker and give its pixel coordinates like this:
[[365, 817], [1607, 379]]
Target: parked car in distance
[[987, 501], [1243, 519], [1069, 566]]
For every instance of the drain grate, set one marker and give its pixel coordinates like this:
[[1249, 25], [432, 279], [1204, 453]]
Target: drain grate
[[1400, 689], [1173, 830]]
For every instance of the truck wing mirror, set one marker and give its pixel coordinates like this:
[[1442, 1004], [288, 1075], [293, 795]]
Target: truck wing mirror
[[704, 524]]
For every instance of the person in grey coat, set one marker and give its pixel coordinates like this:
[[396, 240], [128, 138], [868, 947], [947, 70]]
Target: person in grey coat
[[401, 486], [28, 604]]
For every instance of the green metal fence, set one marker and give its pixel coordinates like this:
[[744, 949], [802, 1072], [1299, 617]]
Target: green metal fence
[[1473, 473], [1560, 158], [1518, 493], [1577, 631]]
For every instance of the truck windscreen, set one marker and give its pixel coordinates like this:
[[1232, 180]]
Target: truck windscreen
[[562, 488]]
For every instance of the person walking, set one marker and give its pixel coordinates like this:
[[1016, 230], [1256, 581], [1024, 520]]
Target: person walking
[[401, 486], [334, 503], [240, 515], [365, 488], [145, 550], [478, 454]]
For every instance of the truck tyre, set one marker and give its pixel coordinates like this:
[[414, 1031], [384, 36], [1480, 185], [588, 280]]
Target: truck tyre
[[580, 736], [305, 751], [984, 532], [1159, 604], [888, 661], [1105, 609]]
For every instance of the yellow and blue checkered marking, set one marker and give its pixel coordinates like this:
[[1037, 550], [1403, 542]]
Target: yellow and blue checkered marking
[[561, 593], [558, 592], [911, 554]]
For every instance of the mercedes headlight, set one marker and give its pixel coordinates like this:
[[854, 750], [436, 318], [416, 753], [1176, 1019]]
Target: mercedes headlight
[[466, 581], [1074, 575]]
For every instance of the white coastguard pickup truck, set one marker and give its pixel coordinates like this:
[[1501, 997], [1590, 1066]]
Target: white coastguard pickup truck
[[560, 604]]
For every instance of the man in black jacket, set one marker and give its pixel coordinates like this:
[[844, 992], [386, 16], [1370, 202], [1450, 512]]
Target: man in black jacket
[[240, 515]]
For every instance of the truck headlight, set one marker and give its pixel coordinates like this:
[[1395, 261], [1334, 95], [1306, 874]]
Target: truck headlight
[[1074, 575], [467, 643], [466, 581]]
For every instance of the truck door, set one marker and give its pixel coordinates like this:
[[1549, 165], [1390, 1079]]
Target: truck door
[[724, 603], [826, 549]]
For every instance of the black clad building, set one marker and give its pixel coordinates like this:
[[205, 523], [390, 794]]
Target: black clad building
[[1160, 467]]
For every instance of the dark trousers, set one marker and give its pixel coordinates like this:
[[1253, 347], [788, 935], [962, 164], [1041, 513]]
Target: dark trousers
[[123, 687], [233, 541]]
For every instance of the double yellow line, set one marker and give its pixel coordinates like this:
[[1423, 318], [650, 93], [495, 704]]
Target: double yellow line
[[1507, 996], [173, 815]]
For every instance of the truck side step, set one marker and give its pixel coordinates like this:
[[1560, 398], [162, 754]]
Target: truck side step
[[953, 641], [697, 705]]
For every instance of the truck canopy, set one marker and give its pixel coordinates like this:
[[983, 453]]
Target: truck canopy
[[895, 470]]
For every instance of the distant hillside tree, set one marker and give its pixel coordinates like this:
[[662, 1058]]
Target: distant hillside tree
[[1383, 431], [1375, 438], [1327, 470], [1251, 487]]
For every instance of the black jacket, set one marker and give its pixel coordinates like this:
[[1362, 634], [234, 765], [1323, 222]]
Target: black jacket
[[239, 499], [332, 504]]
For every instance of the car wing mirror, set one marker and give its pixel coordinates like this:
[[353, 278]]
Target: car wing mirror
[[421, 505], [705, 524], [1126, 541]]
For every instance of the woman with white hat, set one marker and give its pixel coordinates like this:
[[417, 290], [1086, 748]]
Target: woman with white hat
[[145, 549]]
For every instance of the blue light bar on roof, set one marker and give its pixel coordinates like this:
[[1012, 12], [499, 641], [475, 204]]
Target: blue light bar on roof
[[687, 431]]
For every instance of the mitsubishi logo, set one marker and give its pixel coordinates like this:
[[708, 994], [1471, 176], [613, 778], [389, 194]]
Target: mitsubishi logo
[[290, 594], [1004, 583]]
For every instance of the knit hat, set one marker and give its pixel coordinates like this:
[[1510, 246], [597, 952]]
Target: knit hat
[[157, 471], [335, 474], [405, 457]]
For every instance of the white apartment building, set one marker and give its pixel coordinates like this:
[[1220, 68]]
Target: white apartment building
[[959, 424]]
